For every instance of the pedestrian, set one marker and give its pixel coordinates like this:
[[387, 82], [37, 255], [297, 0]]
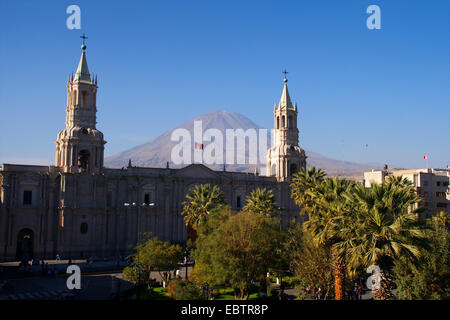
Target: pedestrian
[[355, 292], [319, 294]]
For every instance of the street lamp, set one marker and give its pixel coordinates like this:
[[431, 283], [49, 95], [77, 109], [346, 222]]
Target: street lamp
[[186, 261], [144, 205]]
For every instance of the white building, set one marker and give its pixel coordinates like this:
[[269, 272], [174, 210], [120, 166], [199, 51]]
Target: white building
[[432, 186]]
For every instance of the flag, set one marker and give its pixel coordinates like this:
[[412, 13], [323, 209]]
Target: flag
[[425, 157], [448, 166]]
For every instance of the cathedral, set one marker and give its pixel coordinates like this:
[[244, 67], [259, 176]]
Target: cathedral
[[78, 208]]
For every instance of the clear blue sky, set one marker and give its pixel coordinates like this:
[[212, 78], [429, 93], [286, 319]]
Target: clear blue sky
[[161, 63]]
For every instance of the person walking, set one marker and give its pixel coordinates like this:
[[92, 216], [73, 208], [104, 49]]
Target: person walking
[[355, 292]]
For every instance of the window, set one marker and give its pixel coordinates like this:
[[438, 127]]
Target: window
[[278, 122], [148, 195], [238, 201], [84, 228], [425, 182], [293, 169], [27, 197], [441, 205], [83, 160], [289, 122], [438, 183], [147, 198], [440, 194], [283, 122], [85, 98]]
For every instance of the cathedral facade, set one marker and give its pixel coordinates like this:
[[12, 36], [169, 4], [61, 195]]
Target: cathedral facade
[[78, 208]]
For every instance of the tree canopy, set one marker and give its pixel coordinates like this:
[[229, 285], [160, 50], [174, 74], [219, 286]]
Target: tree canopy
[[152, 255], [240, 249]]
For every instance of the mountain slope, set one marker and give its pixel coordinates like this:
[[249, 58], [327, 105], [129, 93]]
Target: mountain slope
[[156, 152]]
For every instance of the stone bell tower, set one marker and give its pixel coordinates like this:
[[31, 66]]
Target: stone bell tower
[[285, 157], [80, 146]]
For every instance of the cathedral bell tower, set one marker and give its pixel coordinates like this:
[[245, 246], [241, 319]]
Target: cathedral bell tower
[[285, 157], [80, 146]]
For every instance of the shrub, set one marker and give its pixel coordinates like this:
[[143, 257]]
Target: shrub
[[215, 293], [179, 289]]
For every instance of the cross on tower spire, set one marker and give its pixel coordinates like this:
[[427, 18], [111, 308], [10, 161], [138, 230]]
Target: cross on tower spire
[[285, 73], [83, 46], [83, 37]]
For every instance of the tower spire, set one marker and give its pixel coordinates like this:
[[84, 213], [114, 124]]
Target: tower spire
[[80, 146], [285, 100], [285, 157], [82, 73]]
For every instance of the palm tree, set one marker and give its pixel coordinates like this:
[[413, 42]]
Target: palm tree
[[200, 200], [330, 223], [261, 201], [303, 181], [442, 218], [329, 214], [386, 228]]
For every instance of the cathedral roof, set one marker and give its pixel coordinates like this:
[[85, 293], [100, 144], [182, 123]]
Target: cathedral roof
[[285, 100], [82, 73]]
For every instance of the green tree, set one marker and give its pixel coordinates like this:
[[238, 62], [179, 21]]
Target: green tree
[[240, 249], [200, 200], [261, 201], [204, 254], [303, 182], [429, 277], [152, 255], [442, 218], [386, 229], [330, 221], [310, 263]]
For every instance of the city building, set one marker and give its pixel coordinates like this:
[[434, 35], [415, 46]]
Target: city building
[[78, 208], [432, 186]]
